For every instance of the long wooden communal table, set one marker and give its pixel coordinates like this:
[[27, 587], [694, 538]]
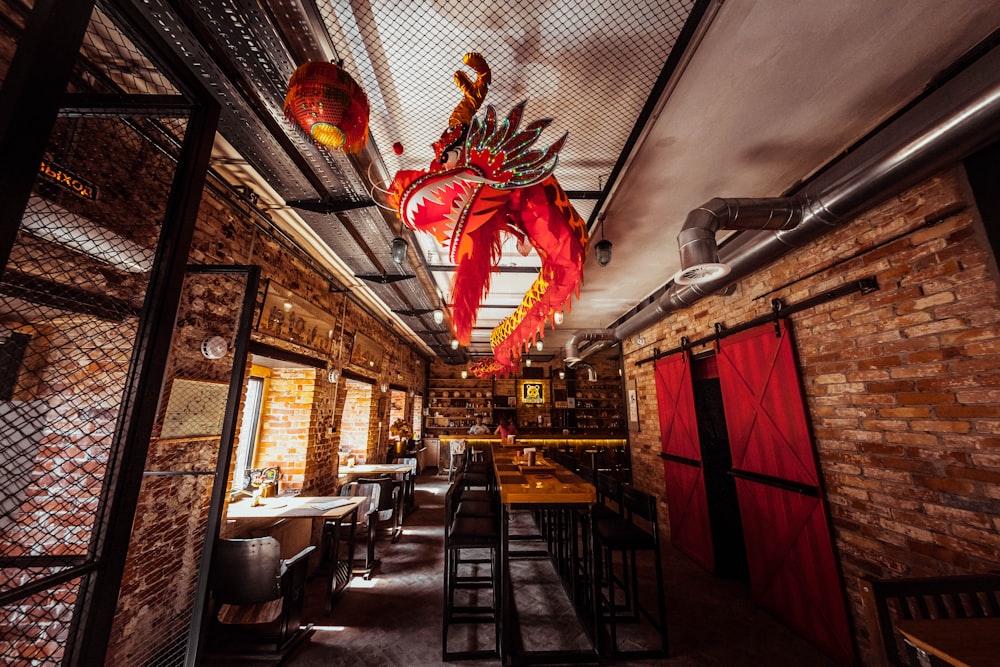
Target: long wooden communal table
[[545, 486], [340, 511]]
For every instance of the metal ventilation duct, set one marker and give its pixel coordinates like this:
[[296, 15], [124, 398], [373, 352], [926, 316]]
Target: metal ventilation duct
[[949, 124], [573, 355]]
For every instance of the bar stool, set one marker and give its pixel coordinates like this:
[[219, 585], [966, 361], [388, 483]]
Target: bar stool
[[623, 535], [465, 531]]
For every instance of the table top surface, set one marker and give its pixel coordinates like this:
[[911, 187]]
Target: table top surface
[[372, 468], [545, 483], [295, 507], [963, 642]]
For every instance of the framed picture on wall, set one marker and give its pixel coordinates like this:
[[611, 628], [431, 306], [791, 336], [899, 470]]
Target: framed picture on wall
[[366, 353], [288, 316], [533, 392], [633, 406]]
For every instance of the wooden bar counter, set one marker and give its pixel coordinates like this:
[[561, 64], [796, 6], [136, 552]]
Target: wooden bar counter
[[543, 486]]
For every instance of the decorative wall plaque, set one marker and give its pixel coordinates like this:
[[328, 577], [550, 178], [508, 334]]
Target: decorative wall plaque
[[366, 353], [287, 316]]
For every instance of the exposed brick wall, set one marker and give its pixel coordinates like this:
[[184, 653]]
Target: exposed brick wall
[[900, 384], [286, 425]]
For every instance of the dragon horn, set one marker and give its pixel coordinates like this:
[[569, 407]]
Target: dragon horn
[[474, 91]]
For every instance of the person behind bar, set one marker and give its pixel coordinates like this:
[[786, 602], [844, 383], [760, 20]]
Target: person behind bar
[[479, 428], [506, 430]]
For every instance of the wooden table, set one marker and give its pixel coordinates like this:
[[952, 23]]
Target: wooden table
[[395, 470], [962, 642], [546, 486], [336, 511]]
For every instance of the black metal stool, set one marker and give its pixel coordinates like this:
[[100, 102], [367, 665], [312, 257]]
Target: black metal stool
[[466, 530], [623, 535]]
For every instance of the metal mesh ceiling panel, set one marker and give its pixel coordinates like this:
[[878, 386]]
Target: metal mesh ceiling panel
[[590, 66]]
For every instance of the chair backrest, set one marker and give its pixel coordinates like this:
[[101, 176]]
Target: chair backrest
[[245, 571], [372, 493], [885, 601], [386, 502], [412, 462], [609, 490], [641, 504]]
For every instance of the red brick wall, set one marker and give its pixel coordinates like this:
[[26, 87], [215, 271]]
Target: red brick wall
[[286, 425], [901, 384]]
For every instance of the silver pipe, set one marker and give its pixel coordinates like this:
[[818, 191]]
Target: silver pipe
[[573, 355], [945, 127]]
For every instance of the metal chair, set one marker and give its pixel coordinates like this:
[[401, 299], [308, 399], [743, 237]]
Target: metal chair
[[634, 531], [258, 598], [382, 505]]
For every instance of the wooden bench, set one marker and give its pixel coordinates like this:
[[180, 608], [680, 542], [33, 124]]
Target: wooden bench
[[885, 601]]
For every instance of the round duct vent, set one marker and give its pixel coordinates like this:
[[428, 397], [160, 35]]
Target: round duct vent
[[701, 273]]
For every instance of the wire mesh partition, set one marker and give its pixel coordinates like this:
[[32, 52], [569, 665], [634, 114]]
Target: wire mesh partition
[[159, 606], [73, 294]]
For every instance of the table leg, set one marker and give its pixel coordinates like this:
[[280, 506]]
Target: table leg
[[340, 570], [506, 595]]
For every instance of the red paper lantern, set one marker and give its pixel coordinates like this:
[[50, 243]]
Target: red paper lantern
[[329, 105]]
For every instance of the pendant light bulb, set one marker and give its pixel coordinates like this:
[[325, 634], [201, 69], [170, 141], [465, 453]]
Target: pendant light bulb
[[399, 248], [603, 247]]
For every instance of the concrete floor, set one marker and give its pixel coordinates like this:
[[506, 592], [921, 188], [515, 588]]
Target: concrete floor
[[395, 617]]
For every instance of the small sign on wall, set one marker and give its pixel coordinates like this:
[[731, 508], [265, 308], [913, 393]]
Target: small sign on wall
[[633, 406], [195, 409]]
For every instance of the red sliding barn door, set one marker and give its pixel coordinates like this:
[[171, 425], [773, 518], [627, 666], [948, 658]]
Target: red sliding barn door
[[690, 530], [793, 571]]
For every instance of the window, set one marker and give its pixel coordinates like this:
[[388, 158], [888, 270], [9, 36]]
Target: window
[[249, 430]]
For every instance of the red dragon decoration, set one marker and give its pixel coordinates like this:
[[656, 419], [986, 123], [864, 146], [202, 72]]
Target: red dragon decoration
[[485, 181]]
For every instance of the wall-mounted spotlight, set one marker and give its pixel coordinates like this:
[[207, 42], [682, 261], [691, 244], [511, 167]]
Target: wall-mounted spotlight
[[465, 374], [454, 343], [527, 362], [399, 248], [438, 316], [557, 317], [603, 247], [333, 375], [562, 375], [384, 387], [539, 345]]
